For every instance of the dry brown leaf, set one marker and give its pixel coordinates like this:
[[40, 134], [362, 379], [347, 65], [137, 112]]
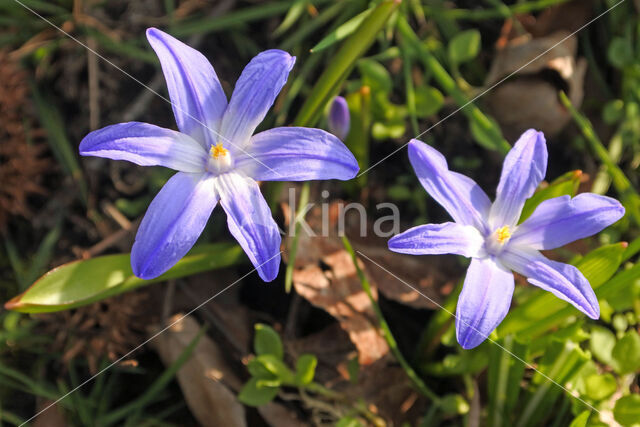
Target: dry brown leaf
[[529, 98], [204, 377], [326, 277]]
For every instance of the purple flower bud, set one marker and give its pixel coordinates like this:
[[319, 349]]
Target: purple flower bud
[[339, 119]]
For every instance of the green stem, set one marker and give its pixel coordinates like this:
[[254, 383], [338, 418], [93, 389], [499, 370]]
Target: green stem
[[328, 86], [304, 199], [621, 183], [450, 86], [340, 397], [386, 331]]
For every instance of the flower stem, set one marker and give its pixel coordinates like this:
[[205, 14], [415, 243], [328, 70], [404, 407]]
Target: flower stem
[[386, 331]]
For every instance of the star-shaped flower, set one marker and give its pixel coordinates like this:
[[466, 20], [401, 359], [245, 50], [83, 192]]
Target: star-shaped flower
[[490, 234], [217, 157]]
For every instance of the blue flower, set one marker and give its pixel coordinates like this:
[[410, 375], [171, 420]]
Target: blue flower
[[217, 157], [339, 118], [490, 234]]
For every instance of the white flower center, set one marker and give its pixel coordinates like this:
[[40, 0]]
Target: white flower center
[[220, 160], [494, 242]]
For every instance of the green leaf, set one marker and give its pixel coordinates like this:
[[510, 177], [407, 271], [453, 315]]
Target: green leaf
[[328, 84], [599, 386], [267, 341], [349, 422], [58, 140], [295, 12], [83, 282], [620, 52], [484, 130], [627, 410], [276, 367], [253, 394], [601, 343], [257, 370], [375, 75], [464, 46], [429, 100], [306, 369], [454, 404], [581, 420], [626, 353], [613, 111], [566, 184], [343, 31]]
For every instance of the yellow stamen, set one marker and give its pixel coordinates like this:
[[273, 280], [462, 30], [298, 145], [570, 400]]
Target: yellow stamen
[[218, 150], [503, 234]]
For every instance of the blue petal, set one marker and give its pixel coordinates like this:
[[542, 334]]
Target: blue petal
[[174, 220], [433, 239], [483, 302], [523, 170], [250, 222], [563, 280], [255, 91], [197, 97], [561, 220], [146, 145], [297, 154], [465, 201]]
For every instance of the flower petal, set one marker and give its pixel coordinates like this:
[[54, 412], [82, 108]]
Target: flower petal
[[523, 170], [255, 91], [146, 145], [563, 280], [483, 302], [465, 201], [250, 221], [561, 220], [433, 239], [297, 154], [173, 222], [197, 97], [339, 119]]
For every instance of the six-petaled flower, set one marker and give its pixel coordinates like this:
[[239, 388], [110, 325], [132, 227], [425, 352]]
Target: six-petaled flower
[[491, 235], [217, 157]]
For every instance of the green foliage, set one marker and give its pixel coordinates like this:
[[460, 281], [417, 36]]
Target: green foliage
[[305, 369], [464, 46], [83, 282], [267, 341], [626, 353], [627, 410]]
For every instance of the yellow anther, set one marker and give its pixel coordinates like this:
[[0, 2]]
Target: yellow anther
[[503, 234], [218, 150]]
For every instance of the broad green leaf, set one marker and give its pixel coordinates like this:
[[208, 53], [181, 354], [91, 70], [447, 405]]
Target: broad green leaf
[[626, 353], [601, 344], [342, 32], [566, 184], [349, 422], [375, 75], [257, 370], [627, 410], [83, 282], [429, 100], [277, 367], [267, 341], [485, 130], [253, 394], [581, 420], [464, 46], [454, 404], [620, 52], [306, 369], [613, 111], [600, 386]]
